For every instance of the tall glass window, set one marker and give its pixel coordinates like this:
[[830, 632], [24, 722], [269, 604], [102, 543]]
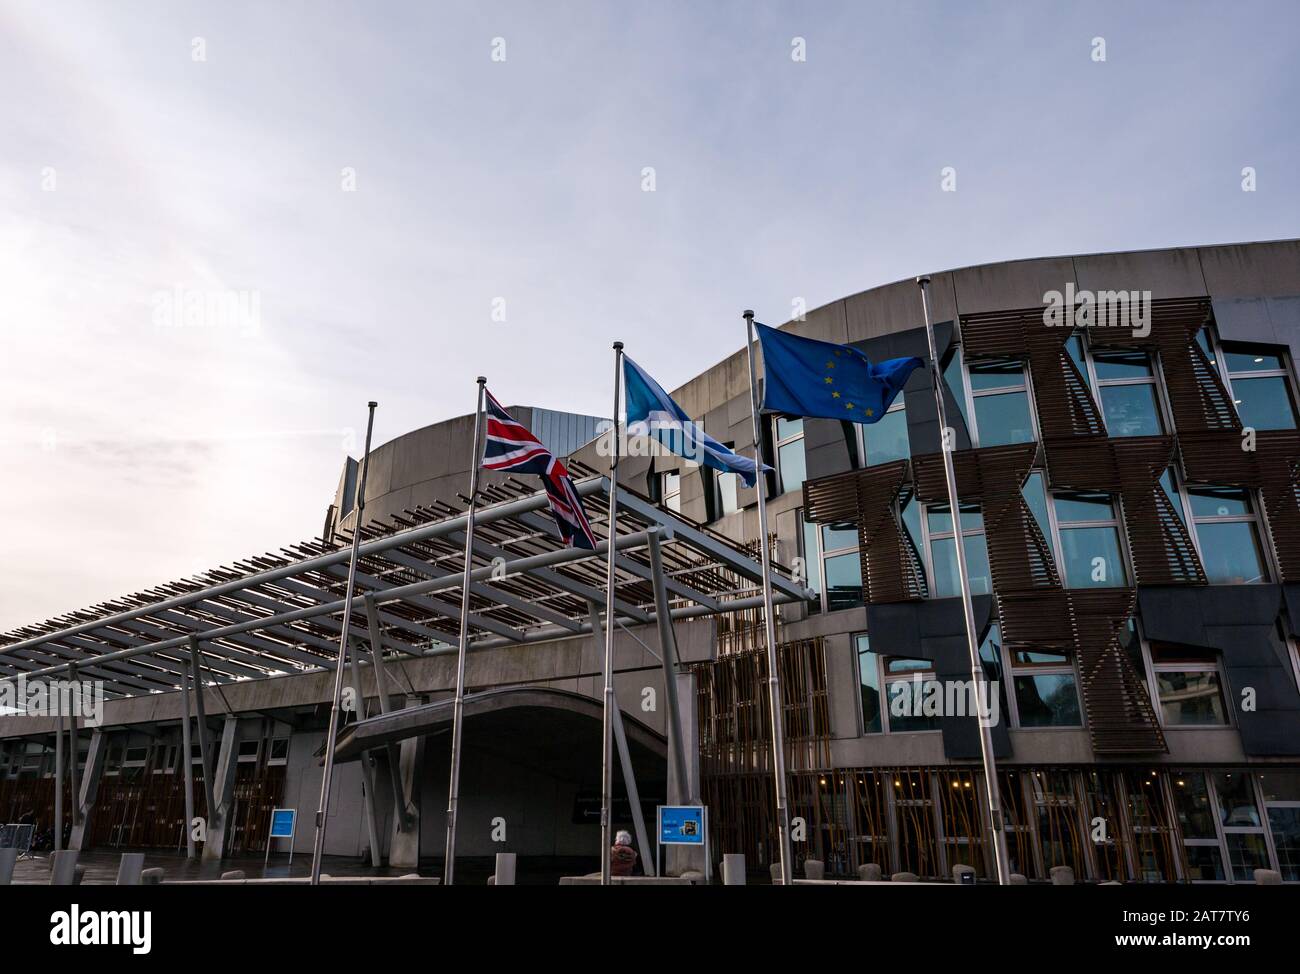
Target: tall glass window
[[1261, 386], [1000, 403], [1091, 556], [869, 682], [1227, 534], [1188, 686], [943, 551], [830, 552], [1126, 383], [1045, 688], [886, 440], [791, 465]]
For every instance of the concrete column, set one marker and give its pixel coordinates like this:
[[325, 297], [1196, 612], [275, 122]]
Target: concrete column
[[223, 787], [404, 847], [85, 802], [679, 859], [733, 869], [505, 869]]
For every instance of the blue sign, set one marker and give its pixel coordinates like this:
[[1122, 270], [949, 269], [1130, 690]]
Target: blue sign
[[282, 820], [681, 825]]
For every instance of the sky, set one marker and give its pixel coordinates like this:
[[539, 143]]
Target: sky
[[226, 226]]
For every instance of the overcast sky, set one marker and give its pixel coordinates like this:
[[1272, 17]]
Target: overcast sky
[[370, 180]]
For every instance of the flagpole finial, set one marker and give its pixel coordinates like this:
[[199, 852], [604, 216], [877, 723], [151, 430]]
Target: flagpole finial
[[482, 380], [618, 346], [372, 404], [923, 280], [747, 314]]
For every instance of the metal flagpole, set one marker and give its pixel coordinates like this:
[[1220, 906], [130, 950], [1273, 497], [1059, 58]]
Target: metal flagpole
[[458, 711], [607, 721], [775, 699], [972, 638], [331, 735]]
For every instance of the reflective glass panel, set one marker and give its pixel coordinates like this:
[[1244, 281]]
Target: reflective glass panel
[[1091, 558], [1131, 410], [887, 439], [1047, 700], [1003, 419]]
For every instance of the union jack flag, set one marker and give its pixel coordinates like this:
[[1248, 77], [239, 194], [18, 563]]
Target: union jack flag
[[513, 447]]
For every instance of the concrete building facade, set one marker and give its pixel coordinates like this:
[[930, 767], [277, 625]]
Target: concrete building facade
[[1125, 438]]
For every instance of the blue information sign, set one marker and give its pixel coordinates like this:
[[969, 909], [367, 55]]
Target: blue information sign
[[282, 820], [681, 825]]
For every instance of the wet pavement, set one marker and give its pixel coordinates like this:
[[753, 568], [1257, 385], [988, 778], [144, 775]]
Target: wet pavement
[[101, 868]]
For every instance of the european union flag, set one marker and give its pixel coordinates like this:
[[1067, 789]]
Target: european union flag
[[805, 377]]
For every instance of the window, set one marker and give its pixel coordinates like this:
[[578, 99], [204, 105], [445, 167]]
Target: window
[[1126, 383], [136, 757], [811, 554], [670, 490], [1196, 819], [1045, 689], [869, 683], [943, 551], [1090, 549], [248, 752], [999, 403], [1226, 534], [904, 681], [1035, 494], [1188, 686], [790, 462], [956, 381], [279, 753], [1281, 791], [1243, 830], [886, 440], [830, 553], [1260, 385], [900, 708], [841, 566], [728, 488]]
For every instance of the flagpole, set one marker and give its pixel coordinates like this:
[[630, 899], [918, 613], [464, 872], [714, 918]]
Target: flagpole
[[978, 680], [775, 700], [331, 736], [458, 711], [607, 719]]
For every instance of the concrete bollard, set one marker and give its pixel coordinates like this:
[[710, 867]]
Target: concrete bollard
[[7, 859], [1017, 879], [505, 874], [1062, 876], [869, 872], [238, 874], [814, 869], [151, 877], [1268, 877], [904, 878], [960, 872], [733, 869], [63, 869], [130, 869]]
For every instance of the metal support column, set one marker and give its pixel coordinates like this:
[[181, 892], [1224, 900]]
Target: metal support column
[[367, 769], [187, 748], [668, 660], [625, 759], [210, 811]]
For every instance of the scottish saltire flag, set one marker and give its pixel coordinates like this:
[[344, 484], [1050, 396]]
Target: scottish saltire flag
[[652, 412], [805, 377], [513, 447]]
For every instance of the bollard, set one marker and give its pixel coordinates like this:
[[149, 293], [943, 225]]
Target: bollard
[[63, 869], [869, 872], [733, 869], [130, 869], [7, 859], [814, 869], [505, 874]]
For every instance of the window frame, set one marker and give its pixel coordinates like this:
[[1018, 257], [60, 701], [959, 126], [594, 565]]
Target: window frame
[[1116, 521], [898, 405], [1218, 356], [1263, 539], [928, 538], [969, 395], [778, 442]]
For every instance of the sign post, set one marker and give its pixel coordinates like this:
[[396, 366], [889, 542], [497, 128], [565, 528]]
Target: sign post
[[283, 823], [683, 825]]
